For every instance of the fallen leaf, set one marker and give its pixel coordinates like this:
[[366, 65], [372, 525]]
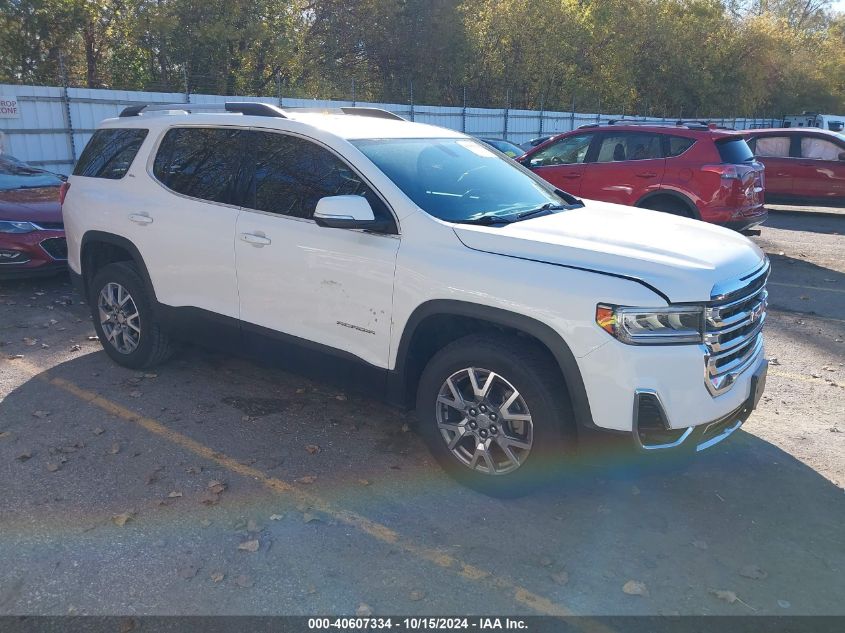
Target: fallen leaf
[[216, 487], [99, 431], [29, 341], [115, 448], [150, 375], [52, 467], [4, 434], [188, 572], [122, 519], [41, 414], [340, 397], [635, 588], [364, 610], [416, 595], [753, 572], [175, 494], [313, 449], [307, 479], [560, 577], [699, 544], [730, 597], [244, 581], [193, 470], [217, 576], [406, 428], [784, 604], [276, 517], [25, 455], [135, 394], [75, 348], [364, 482], [250, 546]]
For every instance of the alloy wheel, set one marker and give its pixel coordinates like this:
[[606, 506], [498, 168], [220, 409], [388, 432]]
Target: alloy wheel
[[119, 318], [484, 421]]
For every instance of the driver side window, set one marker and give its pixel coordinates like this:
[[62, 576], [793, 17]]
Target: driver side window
[[567, 151]]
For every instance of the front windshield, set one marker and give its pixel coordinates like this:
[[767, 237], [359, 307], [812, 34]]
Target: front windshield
[[458, 179], [15, 174]]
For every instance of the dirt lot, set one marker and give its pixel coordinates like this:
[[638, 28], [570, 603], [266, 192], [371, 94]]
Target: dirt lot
[[216, 485]]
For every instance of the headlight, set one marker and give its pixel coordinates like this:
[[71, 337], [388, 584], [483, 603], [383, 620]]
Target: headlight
[[17, 227], [652, 326]]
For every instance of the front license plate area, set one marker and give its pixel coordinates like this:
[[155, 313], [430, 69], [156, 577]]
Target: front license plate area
[[758, 383]]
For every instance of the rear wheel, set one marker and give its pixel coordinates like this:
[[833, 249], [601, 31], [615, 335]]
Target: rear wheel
[[669, 205], [494, 414], [124, 318]]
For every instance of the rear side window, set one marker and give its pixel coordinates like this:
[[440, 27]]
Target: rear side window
[[292, 174], [678, 145], [629, 146], [109, 153], [772, 146], [734, 150], [201, 162]]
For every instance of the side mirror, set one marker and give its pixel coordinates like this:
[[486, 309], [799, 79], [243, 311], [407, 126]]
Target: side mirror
[[346, 212]]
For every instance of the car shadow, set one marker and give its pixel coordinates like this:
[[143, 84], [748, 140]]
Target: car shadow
[[808, 222], [744, 516]]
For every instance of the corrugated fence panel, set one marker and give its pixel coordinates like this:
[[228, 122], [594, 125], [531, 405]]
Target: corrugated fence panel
[[42, 133]]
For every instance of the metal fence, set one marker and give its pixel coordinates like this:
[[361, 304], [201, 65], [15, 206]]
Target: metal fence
[[51, 125]]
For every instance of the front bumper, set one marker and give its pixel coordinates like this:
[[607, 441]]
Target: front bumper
[[32, 254], [652, 430]]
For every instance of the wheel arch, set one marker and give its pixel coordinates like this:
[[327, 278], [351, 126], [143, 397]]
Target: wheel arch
[[99, 248], [670, 194], [446, 320]]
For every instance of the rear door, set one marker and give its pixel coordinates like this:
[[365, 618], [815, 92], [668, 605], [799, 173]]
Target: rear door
[[627, 166], [562, 163], [781, 166], [821, 175], [185, 227]]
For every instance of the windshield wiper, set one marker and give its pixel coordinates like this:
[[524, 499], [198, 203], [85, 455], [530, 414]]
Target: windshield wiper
[[486, 220], [549, 206]]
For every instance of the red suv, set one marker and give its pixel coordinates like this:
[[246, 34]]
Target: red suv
[[803, 165], [689, 169]]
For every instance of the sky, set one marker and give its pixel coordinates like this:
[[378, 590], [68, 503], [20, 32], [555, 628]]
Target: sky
[[839, 5]]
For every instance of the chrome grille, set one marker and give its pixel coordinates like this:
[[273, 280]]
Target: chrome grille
[[733, 328]]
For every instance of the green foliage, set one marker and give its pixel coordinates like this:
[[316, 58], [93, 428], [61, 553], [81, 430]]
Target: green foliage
[[659, 57]]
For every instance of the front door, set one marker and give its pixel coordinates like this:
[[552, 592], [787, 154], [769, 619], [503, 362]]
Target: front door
[[562, 163], [628, 165], [329, 287]]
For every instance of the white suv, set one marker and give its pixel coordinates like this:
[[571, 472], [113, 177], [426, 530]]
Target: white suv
[[421, 262]]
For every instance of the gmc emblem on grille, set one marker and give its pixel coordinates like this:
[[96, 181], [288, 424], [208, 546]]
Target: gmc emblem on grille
[[756, 312]]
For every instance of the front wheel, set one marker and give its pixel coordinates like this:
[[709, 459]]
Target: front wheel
[[495, 415], [124, 319]]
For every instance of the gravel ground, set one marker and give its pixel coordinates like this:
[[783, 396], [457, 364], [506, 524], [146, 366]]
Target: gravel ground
[[216, 485]]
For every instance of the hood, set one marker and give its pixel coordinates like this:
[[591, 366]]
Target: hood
[[31, 205], [681, 258]]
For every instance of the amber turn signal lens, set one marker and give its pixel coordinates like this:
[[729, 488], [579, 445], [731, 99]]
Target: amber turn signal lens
[[606, 318]]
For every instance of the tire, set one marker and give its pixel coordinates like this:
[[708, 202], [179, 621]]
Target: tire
[[671, 206], [517, 364], [147, 347]]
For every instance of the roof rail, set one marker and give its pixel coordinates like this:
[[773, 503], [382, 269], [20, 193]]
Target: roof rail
[[252, 108], [255, 108], [376, 113]]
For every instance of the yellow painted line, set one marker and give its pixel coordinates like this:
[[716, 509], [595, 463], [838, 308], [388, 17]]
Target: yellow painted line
[[378, 531], [803, 287], [802, 378]]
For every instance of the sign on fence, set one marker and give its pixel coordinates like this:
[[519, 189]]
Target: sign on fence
[[9, 107]]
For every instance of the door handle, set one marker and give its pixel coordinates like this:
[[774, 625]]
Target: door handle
[[647, 174], [255, 240], [140, 218]]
